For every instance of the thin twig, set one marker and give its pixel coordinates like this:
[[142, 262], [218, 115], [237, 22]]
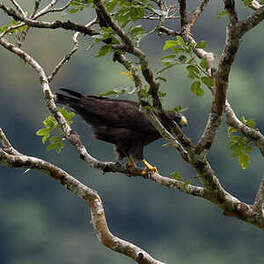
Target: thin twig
[[18, 7], [198, 11], [49, 9]]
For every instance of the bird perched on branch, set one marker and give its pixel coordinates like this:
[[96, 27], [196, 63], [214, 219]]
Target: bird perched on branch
[[118, 122]]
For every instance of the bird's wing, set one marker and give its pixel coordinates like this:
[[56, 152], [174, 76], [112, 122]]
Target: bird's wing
[[103, 111], [115, 113]]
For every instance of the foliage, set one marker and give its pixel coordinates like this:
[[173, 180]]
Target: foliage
[[241, 146], [183, 54], [52, 127], [13, 23]]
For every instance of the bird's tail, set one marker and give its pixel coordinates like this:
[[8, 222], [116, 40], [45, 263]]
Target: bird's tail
[[71, 92], [68, 100]]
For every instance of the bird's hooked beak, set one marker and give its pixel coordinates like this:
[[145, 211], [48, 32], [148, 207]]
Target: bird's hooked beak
[[183, 121]]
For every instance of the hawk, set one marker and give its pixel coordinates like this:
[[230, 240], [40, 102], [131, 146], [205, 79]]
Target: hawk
[[118, 122]]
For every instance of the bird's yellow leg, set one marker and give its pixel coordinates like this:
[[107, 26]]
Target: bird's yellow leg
[[131, 163], [148, 168]]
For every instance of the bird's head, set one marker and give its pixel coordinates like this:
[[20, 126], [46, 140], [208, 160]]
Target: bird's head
[[179, 118], [182, 120]]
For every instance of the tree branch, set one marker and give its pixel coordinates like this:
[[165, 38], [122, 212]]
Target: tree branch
[[183, 13], [259, 200], [68, 25], [104, 235], [249, 132], [198, 11], [250, 22], [18, 7]]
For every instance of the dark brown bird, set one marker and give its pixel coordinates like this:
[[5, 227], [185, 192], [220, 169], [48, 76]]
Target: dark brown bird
[[118, 122]]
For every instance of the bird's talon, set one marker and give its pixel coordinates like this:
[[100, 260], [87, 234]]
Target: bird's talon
[[149, 168], [146, 171]]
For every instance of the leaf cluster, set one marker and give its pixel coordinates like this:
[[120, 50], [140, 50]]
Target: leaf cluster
[[13, 23], [52, 131], [78, 5], [182, 53], [240, 145]]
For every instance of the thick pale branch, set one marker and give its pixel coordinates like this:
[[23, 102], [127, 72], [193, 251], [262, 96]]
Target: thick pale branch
[[221, 84], [259, 200], [82, 191], [207, 138], [250, 22]]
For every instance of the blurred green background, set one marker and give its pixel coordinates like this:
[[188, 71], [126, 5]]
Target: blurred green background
[[41, 222]]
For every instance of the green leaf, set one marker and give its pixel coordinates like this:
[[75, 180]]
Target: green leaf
[[43, 132], [221, 14], [185, 184], [3, 28], [231, 130], [147, 107], [196, 88], [194, 71], [181, 41], [170, 43], [176, 175], [44, 139], [103, 50], [240, 147], [55, 139], [67, 115], [111, 92], [244, 160], [137, 30], [73, 10], [208, 81], [170, 56], [49, 122], [111, 5], [249, 148], [52, 146], [201, 44], [247, 2], [179, 109], [251, 123], [182, 59], [204, 63], [162, 94]]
